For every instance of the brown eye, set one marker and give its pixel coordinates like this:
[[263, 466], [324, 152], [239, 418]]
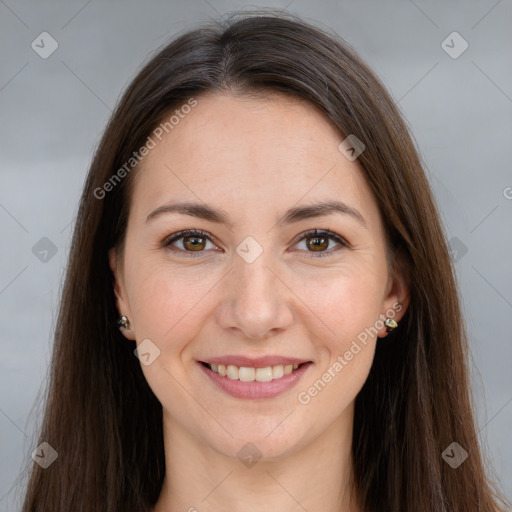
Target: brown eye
[[192, 241], [318, 242], [195, 241]]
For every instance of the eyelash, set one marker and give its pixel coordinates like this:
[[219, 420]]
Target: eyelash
[[308, 234]]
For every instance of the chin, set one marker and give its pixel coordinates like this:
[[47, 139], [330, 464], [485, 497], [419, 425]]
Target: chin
[[265, 440]]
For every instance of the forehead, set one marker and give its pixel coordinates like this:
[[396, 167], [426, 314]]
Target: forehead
[[252, 153], [262, 130]]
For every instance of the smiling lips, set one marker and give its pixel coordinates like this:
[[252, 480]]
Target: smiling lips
[[250, 374], [263, 377]]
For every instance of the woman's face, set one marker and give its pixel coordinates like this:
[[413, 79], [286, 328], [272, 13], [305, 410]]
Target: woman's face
[[255, 289]]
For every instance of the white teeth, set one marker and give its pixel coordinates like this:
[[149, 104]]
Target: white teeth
[[232, 372], [264, 374], [277, 371], [246, 374]]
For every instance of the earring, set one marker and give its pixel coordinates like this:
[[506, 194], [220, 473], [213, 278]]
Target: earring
[[390, 324], [123, 322]]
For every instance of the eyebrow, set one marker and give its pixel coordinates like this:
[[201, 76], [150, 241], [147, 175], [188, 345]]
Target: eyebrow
[[296, 214]]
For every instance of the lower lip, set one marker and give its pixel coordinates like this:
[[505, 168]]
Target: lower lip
[[256, 390]]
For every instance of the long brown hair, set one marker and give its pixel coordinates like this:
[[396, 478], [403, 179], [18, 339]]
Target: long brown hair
[[100, 414]]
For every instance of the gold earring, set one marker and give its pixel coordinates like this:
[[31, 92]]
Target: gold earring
[[390, 324], [123, 322]]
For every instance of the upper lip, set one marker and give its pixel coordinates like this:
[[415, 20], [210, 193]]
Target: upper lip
[[255, 362]]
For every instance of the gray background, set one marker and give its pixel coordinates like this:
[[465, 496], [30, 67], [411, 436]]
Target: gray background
[[55, 109]]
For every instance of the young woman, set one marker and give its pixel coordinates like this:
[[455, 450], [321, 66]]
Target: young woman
[[260, 311]]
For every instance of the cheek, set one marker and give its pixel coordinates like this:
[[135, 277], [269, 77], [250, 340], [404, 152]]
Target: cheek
[[347, 302], [169, 306], [350, 311], [349, 307], [166, 300], [359, 308]]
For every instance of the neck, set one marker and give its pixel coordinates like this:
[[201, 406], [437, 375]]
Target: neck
[[316, 477]]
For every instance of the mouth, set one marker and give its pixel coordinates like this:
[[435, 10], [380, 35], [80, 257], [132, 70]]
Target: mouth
[[251, 374], [254, 382]]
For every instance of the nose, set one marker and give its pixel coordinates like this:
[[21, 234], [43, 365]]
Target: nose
[[255, 303]]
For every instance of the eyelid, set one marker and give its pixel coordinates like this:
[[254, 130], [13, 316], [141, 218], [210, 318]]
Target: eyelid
[[343, 242], [306, 234], [184, 233]]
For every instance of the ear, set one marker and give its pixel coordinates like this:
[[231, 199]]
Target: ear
[[122, 305], [397, 298]]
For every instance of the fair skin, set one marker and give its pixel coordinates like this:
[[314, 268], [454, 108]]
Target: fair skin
[[255, 159]]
